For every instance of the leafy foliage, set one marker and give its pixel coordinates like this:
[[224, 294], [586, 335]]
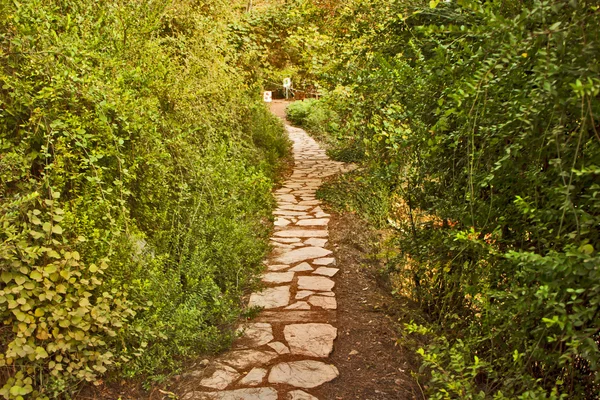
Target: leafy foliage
[[135, 167], [479, 121]]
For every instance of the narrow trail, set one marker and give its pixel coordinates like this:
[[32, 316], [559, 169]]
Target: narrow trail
[[283, 353]]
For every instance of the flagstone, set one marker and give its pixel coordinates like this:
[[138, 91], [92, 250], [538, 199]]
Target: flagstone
[[278, 277], [300, 395], [263, 393], [316, 283], [222, 377], [304, 374], [316, 242], [243, 359], [277, 267], [271, 297], [324, 261], [328, 303], [254, 377], [315, 340], [302, 233], [302, 267], [299, 305], [313, 222], [302, 254], [254, 334], [279, 347], [325, 271]]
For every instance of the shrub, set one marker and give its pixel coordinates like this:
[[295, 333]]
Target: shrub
[[136, 169]]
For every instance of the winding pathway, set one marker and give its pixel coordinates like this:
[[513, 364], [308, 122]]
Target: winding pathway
[[282, 354]]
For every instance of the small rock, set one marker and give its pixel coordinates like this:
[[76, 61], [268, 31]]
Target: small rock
[[279, 347], [254, 377], [353, 353]]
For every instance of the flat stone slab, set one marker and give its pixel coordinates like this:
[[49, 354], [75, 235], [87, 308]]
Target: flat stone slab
[[271, 297], [316, 283], [278, 277], [243, 359], [294, 207], [328, 303], [299, 305], [279, 347], [302, 254], [304, 293], [315, 340], [302, 267], [222, 377], [302, 233], [254, 378], [303, 374], [326, 271], [288, 240], [300, 395], [316, 242], [313, 222], [240, 394], [281, 222], [254, 335], [277, 267], [324, 261]]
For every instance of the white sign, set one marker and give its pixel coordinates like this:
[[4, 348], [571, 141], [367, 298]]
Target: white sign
[[287, 83], [268, 97]]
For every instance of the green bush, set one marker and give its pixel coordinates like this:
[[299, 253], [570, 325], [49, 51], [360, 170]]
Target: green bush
[[135, 167], [482, 117]]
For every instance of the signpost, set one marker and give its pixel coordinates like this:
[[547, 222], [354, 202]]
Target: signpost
[[287, 84], [268, 97]]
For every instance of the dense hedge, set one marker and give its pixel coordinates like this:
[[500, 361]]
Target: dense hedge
[[135, 174], [478, 121]]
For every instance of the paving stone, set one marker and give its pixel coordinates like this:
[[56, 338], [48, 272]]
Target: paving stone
[[279, 347], [290, 240], [290, 198], [325, 271], [316, 242], [254, 335], [304, 374], [286, 213], [324, 261], [299, 305], [316, 283], [313, 222], [282, 222], [302, 267], [315, 340], [277, 267], [221, 377], [254, 377], [271, 297], [302, 254], [278, 277], [239, 394], [300, 395], [243, 359], [302, 233], [328, 303], [293, 207], [304, 293], [328, 294]]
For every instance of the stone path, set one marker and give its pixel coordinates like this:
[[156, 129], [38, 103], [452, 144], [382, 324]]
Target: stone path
[[283, 353]]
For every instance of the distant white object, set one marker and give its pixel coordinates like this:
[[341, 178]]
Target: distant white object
[[287, 83], [268, 97]]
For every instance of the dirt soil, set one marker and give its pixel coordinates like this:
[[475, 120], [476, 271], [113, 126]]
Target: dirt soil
[[372, 366]]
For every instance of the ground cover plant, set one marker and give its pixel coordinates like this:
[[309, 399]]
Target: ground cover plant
[[136, 163], [477, 123]]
